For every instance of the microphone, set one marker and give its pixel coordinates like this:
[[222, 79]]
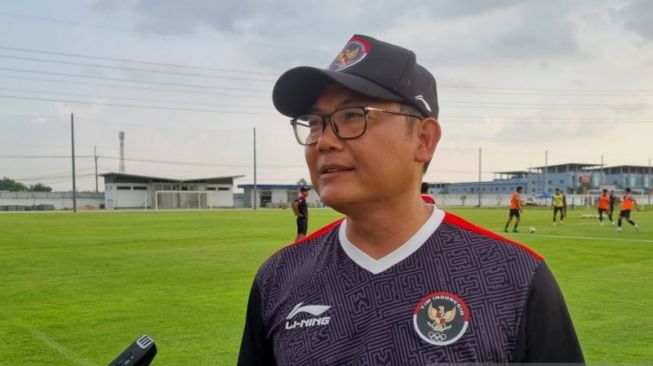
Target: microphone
[[139, 353]]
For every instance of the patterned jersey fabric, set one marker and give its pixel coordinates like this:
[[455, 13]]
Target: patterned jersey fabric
[[453, 293]]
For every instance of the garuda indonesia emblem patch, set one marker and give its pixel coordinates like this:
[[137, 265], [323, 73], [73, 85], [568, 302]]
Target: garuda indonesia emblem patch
[[354, 52], [441, 318]]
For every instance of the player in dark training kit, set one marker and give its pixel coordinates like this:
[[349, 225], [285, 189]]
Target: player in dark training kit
[[300, 209], [396, 281]]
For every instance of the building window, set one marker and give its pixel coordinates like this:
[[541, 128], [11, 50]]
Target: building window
[[124, 188], [223, 189], [138, 188], [210, 188]]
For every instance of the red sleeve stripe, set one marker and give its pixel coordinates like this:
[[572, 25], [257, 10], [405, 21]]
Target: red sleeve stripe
[[452, 219]]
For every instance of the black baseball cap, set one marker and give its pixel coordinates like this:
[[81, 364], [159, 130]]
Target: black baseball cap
[[367, 66], [304, 189]]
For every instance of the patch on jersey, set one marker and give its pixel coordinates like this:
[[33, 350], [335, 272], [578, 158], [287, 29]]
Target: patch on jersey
[[441, 318], [354, 52]]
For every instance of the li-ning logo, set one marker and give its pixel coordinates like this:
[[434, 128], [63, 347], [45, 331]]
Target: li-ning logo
[[421, 99], [315, 310]]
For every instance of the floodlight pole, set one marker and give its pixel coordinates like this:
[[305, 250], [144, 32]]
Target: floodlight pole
[[601, 179], [72, 143], [479, 176], [649, 181], [254, 198], [546, 168], [95, 156]]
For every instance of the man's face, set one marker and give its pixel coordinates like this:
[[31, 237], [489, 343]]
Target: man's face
[[379, 166]]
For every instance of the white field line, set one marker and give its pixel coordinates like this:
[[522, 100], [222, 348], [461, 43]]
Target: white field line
[[591, 238], [48, 341]]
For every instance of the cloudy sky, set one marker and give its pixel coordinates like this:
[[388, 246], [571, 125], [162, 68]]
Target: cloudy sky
[[188, 81]]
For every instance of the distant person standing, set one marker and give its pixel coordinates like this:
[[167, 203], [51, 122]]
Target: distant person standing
[[515, 209], [626, 205], [612, 203], [559, 204], [426, 197], [603, 204], [300, 209]]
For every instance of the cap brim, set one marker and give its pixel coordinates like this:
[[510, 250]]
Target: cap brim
[[297, 89]]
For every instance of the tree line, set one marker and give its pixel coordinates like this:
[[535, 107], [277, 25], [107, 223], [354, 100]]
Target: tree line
[[11, 185]]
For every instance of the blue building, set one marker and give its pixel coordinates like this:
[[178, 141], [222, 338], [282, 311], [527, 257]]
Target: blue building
[[571, 178], [503, 183]]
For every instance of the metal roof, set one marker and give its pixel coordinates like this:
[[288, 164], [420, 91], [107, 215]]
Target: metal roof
[[567, 165], [514, 172], [122, 177], [275, 186]]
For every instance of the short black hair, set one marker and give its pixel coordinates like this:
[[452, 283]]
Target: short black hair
[[424, 188], [518, 188], [628, 189]]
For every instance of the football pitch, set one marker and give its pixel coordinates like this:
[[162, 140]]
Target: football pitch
[[76, 289]]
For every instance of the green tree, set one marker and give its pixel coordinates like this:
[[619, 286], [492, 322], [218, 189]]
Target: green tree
[[40, 187], [11, 185]]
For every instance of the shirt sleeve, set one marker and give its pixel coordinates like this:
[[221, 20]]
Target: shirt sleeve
[[546, 333], [255, 348]]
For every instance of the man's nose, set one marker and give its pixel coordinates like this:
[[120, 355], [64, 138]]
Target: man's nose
[[328, 140]]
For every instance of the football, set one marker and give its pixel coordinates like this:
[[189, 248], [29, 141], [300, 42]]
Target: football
[[531, 229]]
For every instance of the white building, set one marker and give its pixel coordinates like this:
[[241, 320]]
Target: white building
[[277, 195], [129, 191]]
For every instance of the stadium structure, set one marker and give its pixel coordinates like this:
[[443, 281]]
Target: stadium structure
[[570, 178], [582, 183], [129, 191]]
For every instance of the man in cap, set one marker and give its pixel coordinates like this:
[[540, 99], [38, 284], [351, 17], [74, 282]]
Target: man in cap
[[396, 281], [300, 209]]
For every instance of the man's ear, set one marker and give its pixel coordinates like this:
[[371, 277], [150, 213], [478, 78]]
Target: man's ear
[[428, 134]]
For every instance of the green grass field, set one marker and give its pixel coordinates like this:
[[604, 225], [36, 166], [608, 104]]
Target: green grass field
[[76, 289]]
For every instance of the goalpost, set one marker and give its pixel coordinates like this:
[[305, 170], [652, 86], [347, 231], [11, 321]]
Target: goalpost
[[175, 200]]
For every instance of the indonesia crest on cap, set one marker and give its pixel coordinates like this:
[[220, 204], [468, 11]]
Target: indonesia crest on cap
[[441, 318], [354, 52]]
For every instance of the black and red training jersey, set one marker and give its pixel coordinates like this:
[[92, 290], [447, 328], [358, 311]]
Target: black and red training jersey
[[453, 293]]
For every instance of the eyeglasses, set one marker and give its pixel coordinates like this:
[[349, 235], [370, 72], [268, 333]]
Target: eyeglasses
[[347, 123]]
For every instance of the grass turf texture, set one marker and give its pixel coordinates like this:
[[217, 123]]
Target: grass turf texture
[[76, 289]]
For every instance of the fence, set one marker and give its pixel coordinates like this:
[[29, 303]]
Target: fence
[[503, 200], [44, 201]]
